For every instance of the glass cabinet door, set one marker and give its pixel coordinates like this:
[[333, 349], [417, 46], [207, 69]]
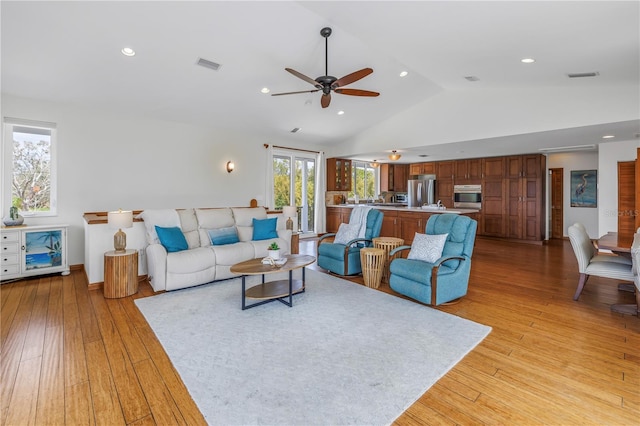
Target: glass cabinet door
[[44, 250]]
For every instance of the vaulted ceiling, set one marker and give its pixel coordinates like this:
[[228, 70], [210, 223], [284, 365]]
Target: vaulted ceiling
[[70, 52]]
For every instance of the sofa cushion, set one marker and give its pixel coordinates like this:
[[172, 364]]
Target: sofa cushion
[[190, 261], [172, 238], [222, 236], [161, 217], [264, 229], [189, 226], [231, 254], [244, 220], [212, 219]]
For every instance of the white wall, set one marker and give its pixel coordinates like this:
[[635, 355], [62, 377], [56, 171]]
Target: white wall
[[609, 155], [568, 162], [106, 162]]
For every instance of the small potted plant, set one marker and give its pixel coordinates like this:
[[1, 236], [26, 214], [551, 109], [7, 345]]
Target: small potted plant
[[274, 251]]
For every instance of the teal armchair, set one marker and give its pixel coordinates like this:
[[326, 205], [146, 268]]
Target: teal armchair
[[344, 259], [447, 278]]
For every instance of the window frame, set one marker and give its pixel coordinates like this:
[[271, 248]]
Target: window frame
[[367, 166], [8, 126]]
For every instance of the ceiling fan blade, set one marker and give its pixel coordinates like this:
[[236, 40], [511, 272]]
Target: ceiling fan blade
[[350, 78], [295, 93], [356, 92], [325, 100], [304, 77]]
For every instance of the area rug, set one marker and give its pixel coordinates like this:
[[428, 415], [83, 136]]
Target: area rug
[[344, 354]]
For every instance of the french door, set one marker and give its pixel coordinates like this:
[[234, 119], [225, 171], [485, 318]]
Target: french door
[[294, 184]]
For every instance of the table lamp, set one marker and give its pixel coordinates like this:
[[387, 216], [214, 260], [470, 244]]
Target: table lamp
[[289, 212], [118, 220]]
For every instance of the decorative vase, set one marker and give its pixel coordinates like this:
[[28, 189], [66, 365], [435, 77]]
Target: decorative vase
[[8, 221], [274, 254]]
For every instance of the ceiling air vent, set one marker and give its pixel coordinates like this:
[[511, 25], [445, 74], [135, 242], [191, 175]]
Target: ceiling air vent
[[583, 74], [471, 78], [208, 64], [295, 129]]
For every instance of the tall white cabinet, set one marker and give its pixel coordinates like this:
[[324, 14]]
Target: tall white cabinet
[[33, 250]]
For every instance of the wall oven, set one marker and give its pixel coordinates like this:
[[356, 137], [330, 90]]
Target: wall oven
[[467, 196]]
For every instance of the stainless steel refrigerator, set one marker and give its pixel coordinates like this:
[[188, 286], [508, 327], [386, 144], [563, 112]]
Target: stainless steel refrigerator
[[421, 191]]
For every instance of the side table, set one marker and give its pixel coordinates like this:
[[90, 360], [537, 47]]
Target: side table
[[387, 244], [120, 273], [372, 261]]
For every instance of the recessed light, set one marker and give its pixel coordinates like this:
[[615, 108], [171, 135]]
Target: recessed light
[[527, 60], [608, 136], [404, 73], [265, 90], [127, 51], [340, 112]]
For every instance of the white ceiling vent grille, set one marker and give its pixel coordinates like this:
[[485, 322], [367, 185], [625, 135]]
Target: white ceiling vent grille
[[208, 64], [583, 74]]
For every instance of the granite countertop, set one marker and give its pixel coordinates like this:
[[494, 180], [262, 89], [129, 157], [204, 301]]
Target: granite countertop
[[388, 206]]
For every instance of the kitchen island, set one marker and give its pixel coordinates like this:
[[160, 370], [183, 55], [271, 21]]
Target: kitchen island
[[398, 221]]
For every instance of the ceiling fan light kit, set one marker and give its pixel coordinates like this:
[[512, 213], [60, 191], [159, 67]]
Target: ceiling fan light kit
[[394, 156], [328, 83]]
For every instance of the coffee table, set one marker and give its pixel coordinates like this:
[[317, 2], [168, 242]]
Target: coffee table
[[272, 290]]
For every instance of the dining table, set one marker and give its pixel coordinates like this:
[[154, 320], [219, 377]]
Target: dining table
[[620, 244]]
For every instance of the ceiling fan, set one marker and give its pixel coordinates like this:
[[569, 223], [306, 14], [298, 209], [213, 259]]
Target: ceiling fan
[[328, 83]]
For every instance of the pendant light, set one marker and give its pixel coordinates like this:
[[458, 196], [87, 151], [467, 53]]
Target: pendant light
[[394, 156]]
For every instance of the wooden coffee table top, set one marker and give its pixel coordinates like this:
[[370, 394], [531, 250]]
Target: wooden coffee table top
[[256, 267]]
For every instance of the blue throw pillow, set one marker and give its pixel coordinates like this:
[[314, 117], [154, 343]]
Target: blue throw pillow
[[264, 229], [222, 236], [172, 239]]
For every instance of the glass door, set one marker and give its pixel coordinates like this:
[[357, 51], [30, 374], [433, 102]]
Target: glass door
[[294, 178]]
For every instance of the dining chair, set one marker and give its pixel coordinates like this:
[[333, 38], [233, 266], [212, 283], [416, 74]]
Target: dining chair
[[590, 262]]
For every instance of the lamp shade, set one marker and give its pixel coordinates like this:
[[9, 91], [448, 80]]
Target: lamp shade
[[120, 219], [289, 211]]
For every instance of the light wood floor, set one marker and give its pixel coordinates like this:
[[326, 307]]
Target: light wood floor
[[69, 356]]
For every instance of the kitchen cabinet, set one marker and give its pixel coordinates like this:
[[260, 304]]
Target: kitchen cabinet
[[33, 250], [444, 182], [491, 219], [422, 168], [336, 216], [524, 186], [390, 224], [338, 174], [468, 170], [410, 223], [393, 177]]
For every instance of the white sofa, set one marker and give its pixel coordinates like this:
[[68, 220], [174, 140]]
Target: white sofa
[[202, 262]]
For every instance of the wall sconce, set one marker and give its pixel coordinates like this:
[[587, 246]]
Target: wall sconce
[[289, 212], [375, 164], [230, 166], [118, 220], [394, 156]]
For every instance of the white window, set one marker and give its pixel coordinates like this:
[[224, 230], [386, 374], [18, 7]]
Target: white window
[[363, 181], [29, 167]]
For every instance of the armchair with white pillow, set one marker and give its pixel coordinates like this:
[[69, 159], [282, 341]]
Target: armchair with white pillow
[[438, 265], [342, 255]]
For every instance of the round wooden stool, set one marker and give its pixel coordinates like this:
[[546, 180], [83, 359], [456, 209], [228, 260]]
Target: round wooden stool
[[387, 244], [372, 261]]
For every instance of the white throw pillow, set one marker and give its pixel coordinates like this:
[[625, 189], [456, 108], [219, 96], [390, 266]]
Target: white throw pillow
[[427, 247], [346, 232]]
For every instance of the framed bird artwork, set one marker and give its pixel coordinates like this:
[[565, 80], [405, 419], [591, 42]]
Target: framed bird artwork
[[584, 188]]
